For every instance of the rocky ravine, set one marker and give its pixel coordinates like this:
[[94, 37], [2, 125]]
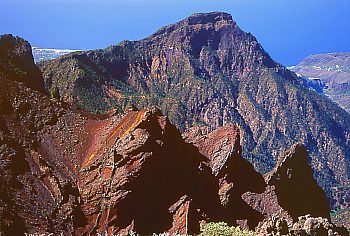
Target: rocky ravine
[[66, 171], [204, 70]]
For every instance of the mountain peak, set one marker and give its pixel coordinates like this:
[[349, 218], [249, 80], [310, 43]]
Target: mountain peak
[[210, 18], [205, 18], [16, 62], [202, 34]]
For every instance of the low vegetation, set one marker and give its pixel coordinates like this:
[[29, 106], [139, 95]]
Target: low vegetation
[[222, 229]]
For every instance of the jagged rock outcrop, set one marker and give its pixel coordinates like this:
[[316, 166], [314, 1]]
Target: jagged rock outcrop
[[297, 199], [291, 190], [235, 175], [146, 179], [206, 70], [144, 176], [293, 203]]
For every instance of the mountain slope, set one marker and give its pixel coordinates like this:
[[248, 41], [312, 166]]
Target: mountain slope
[[333, 70], [204, 70]]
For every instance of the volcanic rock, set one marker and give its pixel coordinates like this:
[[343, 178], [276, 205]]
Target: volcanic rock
[[144, 178], [235, 175]]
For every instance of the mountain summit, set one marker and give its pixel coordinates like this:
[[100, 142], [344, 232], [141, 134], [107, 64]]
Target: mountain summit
[[206, 71], [216, 31]]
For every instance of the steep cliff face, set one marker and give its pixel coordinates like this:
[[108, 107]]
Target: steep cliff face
[[205, 70], [284, 193]]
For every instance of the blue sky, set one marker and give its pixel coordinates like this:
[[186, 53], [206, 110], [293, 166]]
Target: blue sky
[[288, 29]]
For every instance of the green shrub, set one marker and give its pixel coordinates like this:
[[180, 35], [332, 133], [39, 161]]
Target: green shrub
[[222, 229]]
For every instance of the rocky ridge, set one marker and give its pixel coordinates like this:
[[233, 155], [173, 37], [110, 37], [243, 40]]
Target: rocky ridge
[[71, 172]]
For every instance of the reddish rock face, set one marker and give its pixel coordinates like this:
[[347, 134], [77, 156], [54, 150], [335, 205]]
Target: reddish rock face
[[134, 174], [137, 179], [235, 175], [143, 177]]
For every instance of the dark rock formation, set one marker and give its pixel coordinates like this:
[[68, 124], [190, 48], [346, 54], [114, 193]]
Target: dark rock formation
[[16, 62], [144, 176], [206, 70], [296, 198], [292, 191]]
